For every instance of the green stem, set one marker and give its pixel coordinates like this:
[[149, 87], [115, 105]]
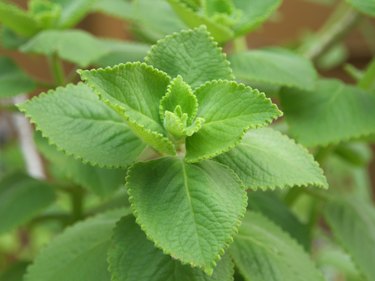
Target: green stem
[[368, 77], [239, 45], [57, 70], [77, 200]]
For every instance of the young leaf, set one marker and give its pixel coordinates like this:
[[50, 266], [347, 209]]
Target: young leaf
[[205, 200], [262, 251], [353, 224], [364, 6], [134, 258], [193, 55], [79, 253], [134, 90], [76, 121], [21, 199], [266, 159], [229, 109], [274, 66], [73, 11], [13, 81], [332, 113]]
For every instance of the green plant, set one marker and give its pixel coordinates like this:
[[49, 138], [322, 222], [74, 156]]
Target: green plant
[[214, 191]]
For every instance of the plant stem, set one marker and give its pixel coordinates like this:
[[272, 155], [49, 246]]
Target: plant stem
[[369, 76], [77, 198], [240, 44], [57, 70]]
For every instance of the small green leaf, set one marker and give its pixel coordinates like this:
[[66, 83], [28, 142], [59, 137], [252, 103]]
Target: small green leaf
[[266, 159], [76, 121], [116, 8], [134, 90], [331, 113], [353, 224], [134, 258], [45, 13], [229, 110], [262, 251], [21, 199], [274, 66], [193, 55], [205, 200], [73, 11], [365, 6], [13, 81], [79, 253]]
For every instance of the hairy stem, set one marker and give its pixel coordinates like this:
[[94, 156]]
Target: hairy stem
[[57, 70]]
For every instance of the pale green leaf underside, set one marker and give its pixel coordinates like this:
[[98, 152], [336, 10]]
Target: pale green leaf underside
[[274, 66], [353, 224], [76, 121], [79, 253], [190, 211], [229, 109], [135, 91], [193, 55], [364, 6], [262, 251], [331, 113], [134, 258], [266, 159], [13, 81], [21, 199]]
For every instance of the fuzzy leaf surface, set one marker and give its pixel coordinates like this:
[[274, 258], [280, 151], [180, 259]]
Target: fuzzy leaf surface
[[79, 253], [193, 55], [266, 159], [274, 66], [205, 200], [134, 258], [75, 120], [263, 251], [353, 224], [229, 109], [331, 113], [364, 6], [135, 91]]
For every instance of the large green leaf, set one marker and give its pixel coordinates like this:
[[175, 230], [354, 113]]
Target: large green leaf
[[353, 224], [333, 112], [229, 109], [79, 253], [190, 211], [193, 55], [134, 90], [266, 159], [134, 258], [13, 81], [73, 11], [274, 66], [262, 251], [364, 6], [21, 199], [76, 121]]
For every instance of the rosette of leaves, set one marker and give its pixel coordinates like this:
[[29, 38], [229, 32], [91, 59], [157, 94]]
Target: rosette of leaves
[[190, 138]]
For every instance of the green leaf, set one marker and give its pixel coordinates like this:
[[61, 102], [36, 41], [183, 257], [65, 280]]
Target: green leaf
[[45, 13], [122, 9], [134, 258], [193, 55], [79, 253], [274, 66], [21, 199], [353, 224], [14, 272], [266, 159], [13, 81], [229, 110], [262, 251], [364, 6], [134, 90], [18, 20], [76, 121], [205, 200], [73, 11], [332, 113]]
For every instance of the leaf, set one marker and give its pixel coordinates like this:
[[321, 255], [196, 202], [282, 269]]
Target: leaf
[[205, 200], [76, 121], [15, 272], [193, 55], [73, 11], [364, 6], [353, 224], [18, 20], [122, 9], [134, 90], [21, 199], [13, 81], [332, 113], [266, 159], [134, 258], [79, 253], [262, 251], [229, 110], [274, 66]]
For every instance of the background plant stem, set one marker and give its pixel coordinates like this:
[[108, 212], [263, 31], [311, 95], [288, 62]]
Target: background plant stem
[[57, 70]]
